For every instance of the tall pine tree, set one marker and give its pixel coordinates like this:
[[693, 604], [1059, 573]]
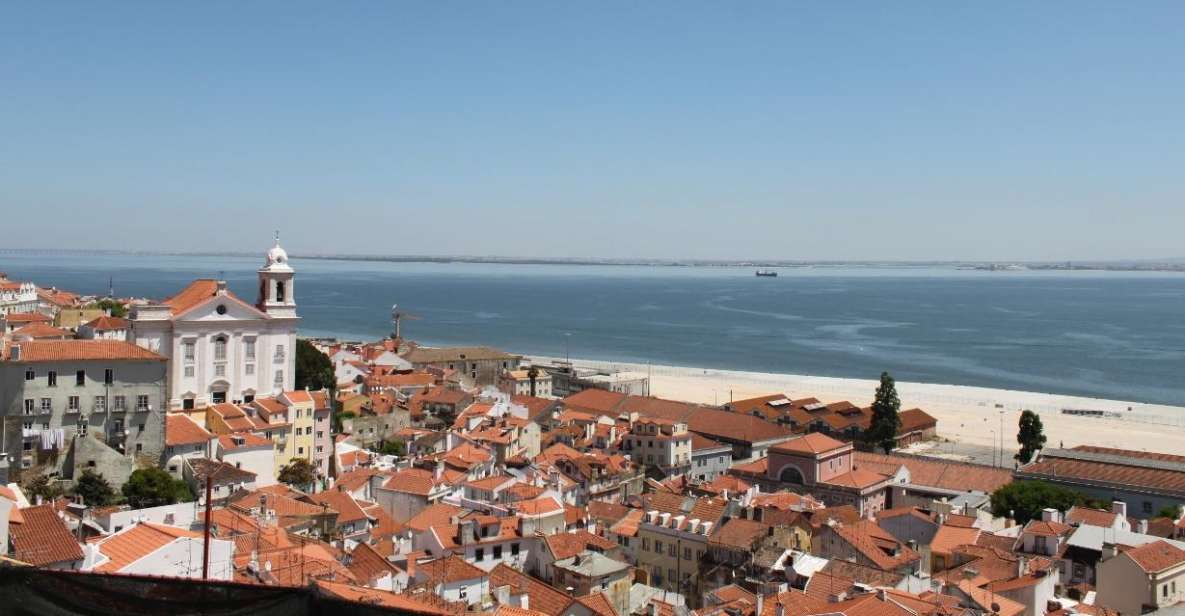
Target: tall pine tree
[[882, 432], [1030, 435]]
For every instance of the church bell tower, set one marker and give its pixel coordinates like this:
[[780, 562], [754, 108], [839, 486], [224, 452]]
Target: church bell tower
[[277, 295]]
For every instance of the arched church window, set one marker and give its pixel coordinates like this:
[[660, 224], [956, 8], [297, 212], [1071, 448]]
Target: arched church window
[[279, 290]]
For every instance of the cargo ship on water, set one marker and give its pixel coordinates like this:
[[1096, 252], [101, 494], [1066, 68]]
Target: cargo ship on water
[[769, 273]]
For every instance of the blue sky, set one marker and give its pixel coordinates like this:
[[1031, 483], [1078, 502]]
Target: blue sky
[[1024, 130]]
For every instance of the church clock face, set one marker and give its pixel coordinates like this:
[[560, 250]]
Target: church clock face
[[221, 309]]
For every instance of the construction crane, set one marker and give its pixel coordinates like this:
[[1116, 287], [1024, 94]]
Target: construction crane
[[397, 316]]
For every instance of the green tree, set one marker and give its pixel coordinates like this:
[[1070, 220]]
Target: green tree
[[313, 368], [1031, 436], [1171, 512], [299, 473], [392, 448], [338, 418], [117, 309], [40, 485], [882, 431], [94, 489], [1024, 500], [153, 487]]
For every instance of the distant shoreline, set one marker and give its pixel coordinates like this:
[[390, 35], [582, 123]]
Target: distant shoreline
[[1134, 265], [969, 415]]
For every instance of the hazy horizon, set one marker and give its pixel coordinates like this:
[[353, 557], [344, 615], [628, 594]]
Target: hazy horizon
[[695, 131]]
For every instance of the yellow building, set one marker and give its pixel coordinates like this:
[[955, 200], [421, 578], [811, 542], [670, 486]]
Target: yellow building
[[278, 420], [301, 412]]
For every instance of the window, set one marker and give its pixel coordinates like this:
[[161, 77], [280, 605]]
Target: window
[[72, 404], [300, 451], [645, 544], [464, 594], [220, 349], [187, 350], [28, 425], [139, 447], [141, 403], [187, 404], [249, 369], [249, 349], [51, 378], [139, 428], [279, 290], [672, 550], [320, 449], [497, 552], [604, 585], [189, 372], [279, 378], [1147, 506], [30, 406], [308, 430], [279, 353], [109, 376], [100, 404], [686, 553], [320, 434], [658, 546], [45, 425], [30, 375], [46, 405], [219, 369], [80, 378], [479, 554], [514, 549]]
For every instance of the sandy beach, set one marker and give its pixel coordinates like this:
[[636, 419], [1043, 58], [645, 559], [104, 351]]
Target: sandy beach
[[968, 416]]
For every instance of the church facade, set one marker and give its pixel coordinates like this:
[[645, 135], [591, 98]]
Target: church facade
[[221, 348]]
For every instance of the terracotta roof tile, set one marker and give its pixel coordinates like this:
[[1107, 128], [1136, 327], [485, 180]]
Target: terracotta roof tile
[[367, 565], [108, 323], [1156, 556], [43, 539], [1087, 515], [82, 350], [739, 533], [181, 429], [449, 569], [813, 443], [438, 514], [411, 481], [41, 331], [136, 542], [346, 507], [26, 317], [948, 475], [544, 598]]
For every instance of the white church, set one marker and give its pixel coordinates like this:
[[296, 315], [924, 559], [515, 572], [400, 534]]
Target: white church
[[220, 348]]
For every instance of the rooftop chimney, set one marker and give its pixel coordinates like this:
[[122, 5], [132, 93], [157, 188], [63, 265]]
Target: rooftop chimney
[[221, 287], [1049, 514], [1119, 508]]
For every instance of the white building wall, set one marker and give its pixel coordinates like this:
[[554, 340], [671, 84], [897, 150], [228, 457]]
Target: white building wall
[[258, 460]]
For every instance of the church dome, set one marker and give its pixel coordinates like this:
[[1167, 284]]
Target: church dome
[[277, 255]]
